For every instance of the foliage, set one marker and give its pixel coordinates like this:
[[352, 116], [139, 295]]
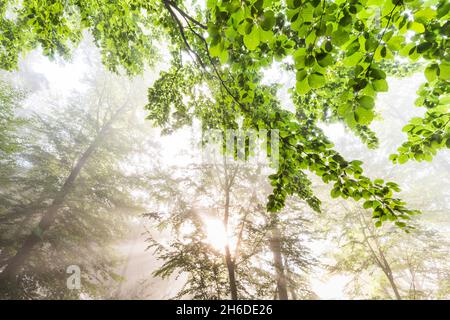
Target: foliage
[[120, 29], [95, 213], [339, 52], [323, 39], [10, 99]]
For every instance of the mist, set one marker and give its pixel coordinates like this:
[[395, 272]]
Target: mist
[[143, 218]]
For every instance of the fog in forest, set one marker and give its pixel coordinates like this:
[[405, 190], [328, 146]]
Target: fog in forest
[[143, 217]]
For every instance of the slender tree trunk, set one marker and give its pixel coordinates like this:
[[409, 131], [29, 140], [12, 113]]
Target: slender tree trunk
[[231, 266], [380, 259], [15, 263], [228, 259], [275, 245], [231, 273], [394, 287], [388, 272]]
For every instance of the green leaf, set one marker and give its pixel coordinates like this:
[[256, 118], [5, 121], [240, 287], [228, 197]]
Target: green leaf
[[216, 50], [444, 99], [302, 87], [378, 181], [223, 57], [431, 72], [316, 80], [268, 20], [353, 59], [325, 60], [378, 55], [265, 36], [426, 13], [350, 120], [343, 109], [335, 192], [403, 158], [252, 39], [307, 14], [416, 26], [301, 75], [376, 73], [380, 85], [395, 43], [363, 115], [368, 204], [400, 224], [366, 102], [424, 46], [339, 37], [376, 3], [444, 69]]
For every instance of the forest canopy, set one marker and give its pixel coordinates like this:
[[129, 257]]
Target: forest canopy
[[340, 44], [339, 52]]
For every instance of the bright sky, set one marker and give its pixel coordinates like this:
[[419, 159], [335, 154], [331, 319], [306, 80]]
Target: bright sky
[[61, 76]]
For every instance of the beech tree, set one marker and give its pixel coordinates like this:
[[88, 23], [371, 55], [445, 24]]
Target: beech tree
[[340, 44], [339, 52], [66, 198], [225, 242], [395, 262]]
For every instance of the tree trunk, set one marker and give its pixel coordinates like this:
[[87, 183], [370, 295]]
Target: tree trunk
[[394, 287], [228, 259], [231, 273], [275, 246], [388, 272], [15, 263], [380, 260]]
